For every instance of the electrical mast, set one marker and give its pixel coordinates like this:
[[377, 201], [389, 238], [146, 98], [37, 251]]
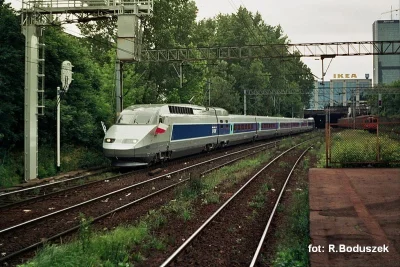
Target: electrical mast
[[36, 14]]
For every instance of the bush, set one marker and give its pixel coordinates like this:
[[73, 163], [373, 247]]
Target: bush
[[353, 147], [11, 169], [72, 158]]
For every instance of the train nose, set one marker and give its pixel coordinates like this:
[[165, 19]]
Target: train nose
[[121, 140]]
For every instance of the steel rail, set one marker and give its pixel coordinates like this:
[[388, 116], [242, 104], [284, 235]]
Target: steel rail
[[8, 194], [47, 184], [120, 190], [253, 262], [201, 228], [133, 202], [41, 243], [59, 191]]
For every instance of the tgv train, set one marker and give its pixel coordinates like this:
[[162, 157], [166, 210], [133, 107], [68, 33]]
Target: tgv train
[[145, 134]]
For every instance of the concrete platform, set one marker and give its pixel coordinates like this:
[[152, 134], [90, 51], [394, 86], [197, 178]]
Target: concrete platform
[[354, 210]]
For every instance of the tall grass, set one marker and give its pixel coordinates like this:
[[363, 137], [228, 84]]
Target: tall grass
[[102, 250], [11, 168], [351, 147], [294, 237], [72, 158]]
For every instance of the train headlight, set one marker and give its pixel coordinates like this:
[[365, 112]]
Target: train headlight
[[109, 140], [129, 141]]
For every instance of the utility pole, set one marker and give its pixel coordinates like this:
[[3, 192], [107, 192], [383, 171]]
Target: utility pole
[[118, 87], [181, 75], [244, 102], [209, 92], [66, 79], [391, 12]]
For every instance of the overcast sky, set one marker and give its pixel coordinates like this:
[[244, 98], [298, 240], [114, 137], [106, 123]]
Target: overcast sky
[[309, 21]]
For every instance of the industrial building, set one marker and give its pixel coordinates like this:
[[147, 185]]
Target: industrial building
[[386, 68]]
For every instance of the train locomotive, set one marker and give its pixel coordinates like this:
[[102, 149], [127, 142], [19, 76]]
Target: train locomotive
[[366, 122], [147, 134]]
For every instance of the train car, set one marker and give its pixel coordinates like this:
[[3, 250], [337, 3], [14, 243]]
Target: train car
[[146, 134], [366, 122]]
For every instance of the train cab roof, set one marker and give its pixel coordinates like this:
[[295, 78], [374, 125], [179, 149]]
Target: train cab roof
[[188, 109]]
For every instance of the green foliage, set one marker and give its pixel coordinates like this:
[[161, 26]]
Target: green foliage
[[294, 238], [100, 249], [11, 77], [287, 143], [194, 188], [171, 24], [182, 208], [85, 231], [154, 243], [390, 102], [246, 28], [352, 147], [72, 158], [154, 219], [11, 168], [259, 199]]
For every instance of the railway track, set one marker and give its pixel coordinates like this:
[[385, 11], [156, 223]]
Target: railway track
[[66, 219], [50, 187], [35, 193], [222, 231]]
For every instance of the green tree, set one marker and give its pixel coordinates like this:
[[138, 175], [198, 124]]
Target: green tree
[[390, 102], [85, 104], [11, 77], [265, 75]]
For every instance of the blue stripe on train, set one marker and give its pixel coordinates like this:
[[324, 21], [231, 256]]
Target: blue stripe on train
[[224, 128], [187, 131]]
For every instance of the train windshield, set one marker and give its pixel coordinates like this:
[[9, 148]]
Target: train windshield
[[136, 117]]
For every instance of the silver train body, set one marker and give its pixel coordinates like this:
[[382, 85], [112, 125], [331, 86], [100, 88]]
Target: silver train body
[[145, 134]]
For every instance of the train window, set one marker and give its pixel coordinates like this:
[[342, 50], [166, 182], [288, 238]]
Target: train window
[[226, 121], [221, 121], [137, 117]]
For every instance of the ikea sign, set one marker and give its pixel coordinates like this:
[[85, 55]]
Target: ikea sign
[[345, 76]]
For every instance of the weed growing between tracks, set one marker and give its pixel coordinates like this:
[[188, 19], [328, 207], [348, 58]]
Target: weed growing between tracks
[[134, 243], [294, 236], [100, 249], [143, 239], [291, 247]]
